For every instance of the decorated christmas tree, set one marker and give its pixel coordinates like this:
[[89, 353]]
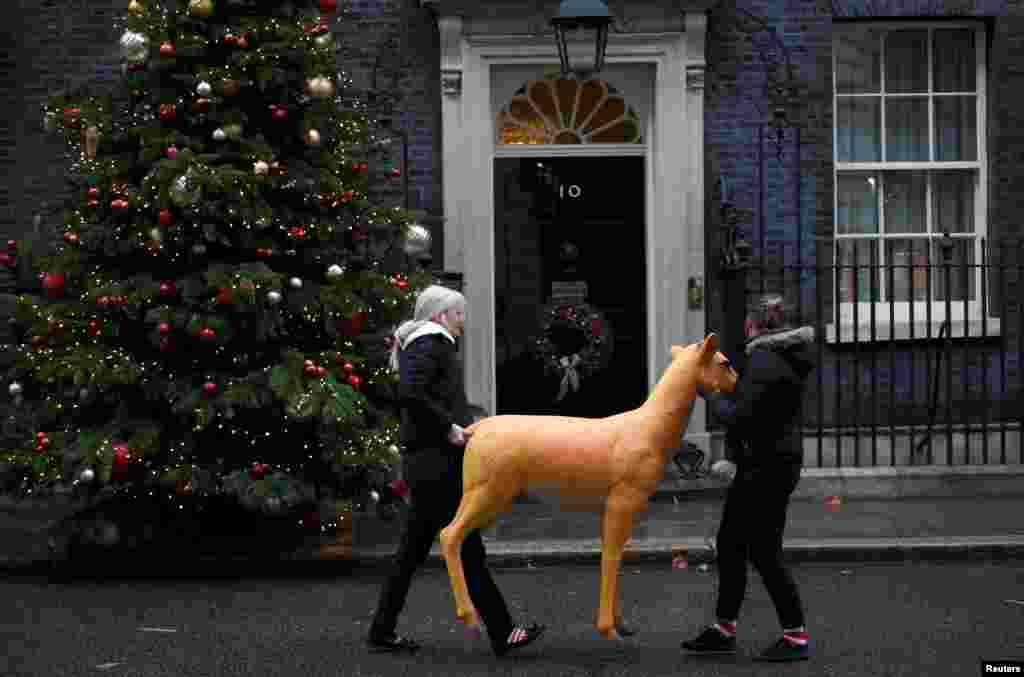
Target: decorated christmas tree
[[215, 317]]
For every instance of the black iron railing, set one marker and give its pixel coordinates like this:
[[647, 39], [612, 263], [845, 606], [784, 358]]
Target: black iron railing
[[919, 344]]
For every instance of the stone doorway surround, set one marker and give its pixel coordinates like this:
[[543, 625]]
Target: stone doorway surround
[[478, 35]]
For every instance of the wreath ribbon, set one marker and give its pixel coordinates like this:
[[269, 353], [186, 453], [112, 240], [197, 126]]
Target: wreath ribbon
[[570, 375]]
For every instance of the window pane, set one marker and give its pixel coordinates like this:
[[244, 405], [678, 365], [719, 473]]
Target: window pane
[[857, 203], [906, 130], [906, 61], [907, 269], [954, 60], [857, 262], [858, 60], [953, 201], [905, 206], [956, 129], [858, 122], [960, 272]]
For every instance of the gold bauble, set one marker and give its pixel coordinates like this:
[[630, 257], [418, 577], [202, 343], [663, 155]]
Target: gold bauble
[[200, 8], [135, 8], [313, 137]]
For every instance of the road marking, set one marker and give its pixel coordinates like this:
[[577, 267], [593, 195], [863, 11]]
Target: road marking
[[108, 666], [144, 629], [1014, 601]]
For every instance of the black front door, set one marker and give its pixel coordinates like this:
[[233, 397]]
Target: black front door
[[569, 267]]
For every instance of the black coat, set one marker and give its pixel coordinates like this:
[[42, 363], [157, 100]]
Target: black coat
[[431, 394], [763, 414]]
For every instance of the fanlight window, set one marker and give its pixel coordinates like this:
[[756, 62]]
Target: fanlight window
[[568, 112]]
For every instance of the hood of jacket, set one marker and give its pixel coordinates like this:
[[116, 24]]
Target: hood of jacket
[[793, 345]]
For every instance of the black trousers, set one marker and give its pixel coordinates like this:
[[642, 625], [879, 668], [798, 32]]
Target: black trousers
[[751, 531], [435, 486]]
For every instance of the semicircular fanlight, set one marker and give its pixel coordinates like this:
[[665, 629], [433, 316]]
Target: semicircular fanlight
[[567, 112]]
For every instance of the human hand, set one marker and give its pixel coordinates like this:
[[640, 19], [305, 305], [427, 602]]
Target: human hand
[[457, 435], [724, 470]]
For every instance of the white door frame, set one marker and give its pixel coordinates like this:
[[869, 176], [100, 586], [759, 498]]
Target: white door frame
[[674, 166]]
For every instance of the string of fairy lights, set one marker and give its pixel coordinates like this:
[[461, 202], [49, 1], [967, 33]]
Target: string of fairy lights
[[75, 341]]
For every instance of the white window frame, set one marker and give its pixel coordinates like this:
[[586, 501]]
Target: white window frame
[[928, 316]]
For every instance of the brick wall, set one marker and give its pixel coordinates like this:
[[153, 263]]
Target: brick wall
[[736, 88]]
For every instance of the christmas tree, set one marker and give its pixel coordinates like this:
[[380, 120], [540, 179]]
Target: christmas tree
[[216, 317]]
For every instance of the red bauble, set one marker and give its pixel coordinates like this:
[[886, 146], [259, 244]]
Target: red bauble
[[595, 327], [231, 39], [207, 332], [400, 488], [225, 296], [321, 371], [348, 195], [243, 42], [168, 289], [297, 232], [122, 455], [172, 152], [168, 112], [328, 6], [54, 283], [7, 260], [71, 237], [164, 328], [166, 217], [348, 367], [93, 192], [351, 326], [166, 344], [280, 113], [119, 204], [264, 251], [310, 370], [103, 300], [355, 381], [93, 328], [167, 48], [210, 388], [396, 172], [257, 470], [93, 203]]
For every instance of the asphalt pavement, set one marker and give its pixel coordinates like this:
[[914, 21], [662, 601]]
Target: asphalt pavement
[[878, 619]]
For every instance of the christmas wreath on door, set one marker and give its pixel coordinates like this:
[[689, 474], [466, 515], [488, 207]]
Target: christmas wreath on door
[[575, 342]]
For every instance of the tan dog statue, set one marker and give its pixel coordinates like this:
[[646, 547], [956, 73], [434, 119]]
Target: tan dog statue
[[608, 464]]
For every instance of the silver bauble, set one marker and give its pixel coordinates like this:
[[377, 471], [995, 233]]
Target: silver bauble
[[273, 297], [417, 240], [199, 249], [393, 449], [295, 283], [134, 46], [15, 389], [335, 270], [184, 192], [219, 134], [87, 475], [204, 88], [324, 40]]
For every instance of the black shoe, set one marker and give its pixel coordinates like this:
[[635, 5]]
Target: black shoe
[[524, 636], [711, 642], [784, 652], [392, 644]]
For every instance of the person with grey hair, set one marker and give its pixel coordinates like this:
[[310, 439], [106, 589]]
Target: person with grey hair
[[761, 419], [434, 411]]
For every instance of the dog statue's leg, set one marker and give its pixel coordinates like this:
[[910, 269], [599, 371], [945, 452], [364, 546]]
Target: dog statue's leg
[[452, 537], [617, 526]]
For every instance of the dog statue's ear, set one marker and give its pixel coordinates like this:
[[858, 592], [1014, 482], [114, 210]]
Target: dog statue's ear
[[709, 348]]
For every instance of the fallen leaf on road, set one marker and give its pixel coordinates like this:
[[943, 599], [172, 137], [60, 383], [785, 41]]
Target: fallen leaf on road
[[144, 629], [846, 572], [107, 666]]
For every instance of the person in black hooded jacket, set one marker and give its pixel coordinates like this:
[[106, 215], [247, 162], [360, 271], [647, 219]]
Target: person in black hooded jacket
[[761, 418]]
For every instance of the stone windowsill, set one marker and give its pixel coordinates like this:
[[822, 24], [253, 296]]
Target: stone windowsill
[[972, 328]]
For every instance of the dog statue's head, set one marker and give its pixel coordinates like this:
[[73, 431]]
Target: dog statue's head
[[714, 371]]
